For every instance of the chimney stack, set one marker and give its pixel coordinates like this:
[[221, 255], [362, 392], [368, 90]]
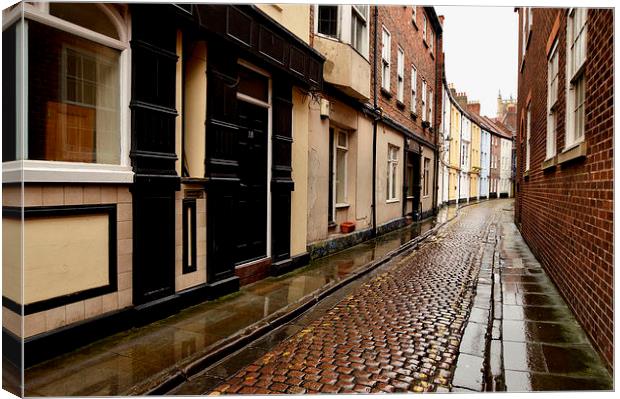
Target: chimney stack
[[474, 107]]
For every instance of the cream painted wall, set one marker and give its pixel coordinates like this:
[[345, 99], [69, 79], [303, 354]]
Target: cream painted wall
[[63, 255], [318, 174], [294, 17], [387, 211], [363, 193], [299, 163], [12, 259], [344, 67], [195, 109]]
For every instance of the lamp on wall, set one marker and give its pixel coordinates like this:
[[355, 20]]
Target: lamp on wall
[[324, 108]]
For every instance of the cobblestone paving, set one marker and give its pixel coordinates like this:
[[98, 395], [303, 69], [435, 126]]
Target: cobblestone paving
[[398, 332]]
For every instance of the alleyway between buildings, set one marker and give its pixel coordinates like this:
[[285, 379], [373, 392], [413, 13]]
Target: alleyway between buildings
[[469, 308]]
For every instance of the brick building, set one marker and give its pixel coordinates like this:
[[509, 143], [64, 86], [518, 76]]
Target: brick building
[[564, 205]]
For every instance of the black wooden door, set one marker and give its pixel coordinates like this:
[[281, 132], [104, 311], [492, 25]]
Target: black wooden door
[[414, 159], [252, 212]]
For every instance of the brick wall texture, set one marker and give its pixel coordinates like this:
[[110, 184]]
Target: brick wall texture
[[566, 213], [409, 36]]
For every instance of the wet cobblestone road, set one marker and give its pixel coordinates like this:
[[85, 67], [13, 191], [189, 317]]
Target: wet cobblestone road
[[398, 332]]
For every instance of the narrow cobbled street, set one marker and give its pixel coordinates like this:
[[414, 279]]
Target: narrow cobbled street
[[398, 332]]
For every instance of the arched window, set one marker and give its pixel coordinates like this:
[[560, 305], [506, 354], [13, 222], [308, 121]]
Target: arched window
[[75, 103]]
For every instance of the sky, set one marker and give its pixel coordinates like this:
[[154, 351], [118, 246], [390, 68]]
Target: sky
[[480, 44]]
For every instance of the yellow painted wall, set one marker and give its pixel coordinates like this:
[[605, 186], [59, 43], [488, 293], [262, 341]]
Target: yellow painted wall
[[455, 151], [299, 163], [195, 109], [475, 146], [473, 185], [63, 255], [294, 17]]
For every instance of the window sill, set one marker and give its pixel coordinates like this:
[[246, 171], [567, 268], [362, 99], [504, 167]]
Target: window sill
[[391, 201], [549, 163], [575, 152], [400, 105], [425, 43], [414, 115], [414, 24], [386, 93], [30, 171], [342, 205]]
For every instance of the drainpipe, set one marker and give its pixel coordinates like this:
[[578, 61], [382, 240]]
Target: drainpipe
[[435, 127], [374, 129]]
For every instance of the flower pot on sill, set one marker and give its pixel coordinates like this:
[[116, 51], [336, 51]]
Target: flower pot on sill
[[347, 227]]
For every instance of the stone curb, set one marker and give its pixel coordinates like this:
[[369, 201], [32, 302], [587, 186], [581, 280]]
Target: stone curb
[[166, 380]]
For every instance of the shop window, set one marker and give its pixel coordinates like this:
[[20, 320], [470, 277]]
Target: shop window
[[74, 110]]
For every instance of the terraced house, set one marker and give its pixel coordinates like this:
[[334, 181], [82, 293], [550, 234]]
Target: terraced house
[[565, 157]]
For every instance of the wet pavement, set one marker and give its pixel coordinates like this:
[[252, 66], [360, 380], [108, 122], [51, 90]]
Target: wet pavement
[[537, 344], [469, 310], [134, 361]]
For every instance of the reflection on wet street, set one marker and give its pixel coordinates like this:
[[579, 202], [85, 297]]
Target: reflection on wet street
[[114, 365]]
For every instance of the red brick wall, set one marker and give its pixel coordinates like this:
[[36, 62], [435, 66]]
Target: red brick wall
[[566, 213], [397, 20]]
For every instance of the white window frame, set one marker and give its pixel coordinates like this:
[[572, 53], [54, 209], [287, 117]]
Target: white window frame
[[424, 25], [426, 176], [424, 116], [552, 98], [357, 13], [392, 172], [75, 172], [400, 75], [338, 22], [575, 79], [528, 124], [430, 107], [431, 40], [386, 55], [414, 15], [524, 33], [345, 148], [414, 89]]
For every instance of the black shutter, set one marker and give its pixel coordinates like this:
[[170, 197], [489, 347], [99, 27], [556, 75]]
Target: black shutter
[[222, 166], [281, 181], [153, 153]]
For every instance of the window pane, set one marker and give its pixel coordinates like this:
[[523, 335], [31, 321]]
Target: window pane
[[85, 14], [341, 164], [73, 98], [328, 17]]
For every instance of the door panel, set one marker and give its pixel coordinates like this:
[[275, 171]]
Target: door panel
[[252, 212]]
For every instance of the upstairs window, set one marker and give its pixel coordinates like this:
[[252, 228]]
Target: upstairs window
[[359, 31], [386, 54], [430, 107], [414, 88], [424, 27], [552, 98], [414, 15], [431, 40], [400, 71], [527, 138], [424, 116], [328, 20], [576, 37]]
